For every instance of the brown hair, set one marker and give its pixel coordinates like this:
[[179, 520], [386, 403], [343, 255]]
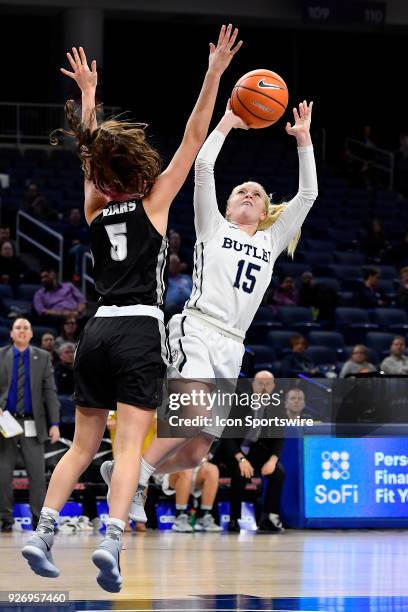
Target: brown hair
[[115, 156]]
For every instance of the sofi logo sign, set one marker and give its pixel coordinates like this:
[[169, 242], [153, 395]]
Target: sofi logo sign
[[332, 482]]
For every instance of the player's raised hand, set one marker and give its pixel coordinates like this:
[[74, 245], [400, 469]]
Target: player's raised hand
[[301, 127], [85, 77], [222, 54], [236, 122]]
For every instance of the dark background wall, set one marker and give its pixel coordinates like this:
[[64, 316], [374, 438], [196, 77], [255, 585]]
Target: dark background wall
[[154, 67]]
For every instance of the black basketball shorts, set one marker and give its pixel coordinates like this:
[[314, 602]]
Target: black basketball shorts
[[120, 359]]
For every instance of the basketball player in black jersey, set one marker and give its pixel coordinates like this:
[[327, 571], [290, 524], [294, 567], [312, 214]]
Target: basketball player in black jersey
[[119, 357]]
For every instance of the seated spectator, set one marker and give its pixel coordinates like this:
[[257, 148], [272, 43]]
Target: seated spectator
[[57, 299], [48, 344], [358, 362], [255, 454], [397, 361], [319, 296], [296, 362], [35, 205], [5, 236], [374, 243], [402, 293], [70, 332], [64, 370], [12, 268], [368, 295], [76, 239], [286, 293], [184, 254], [201, 481], [179, 286]]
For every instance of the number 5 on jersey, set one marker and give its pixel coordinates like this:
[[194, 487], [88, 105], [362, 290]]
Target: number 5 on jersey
[[245, 286], [118, 239]]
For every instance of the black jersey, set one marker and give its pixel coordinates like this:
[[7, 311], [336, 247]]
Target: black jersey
[[130, 257]]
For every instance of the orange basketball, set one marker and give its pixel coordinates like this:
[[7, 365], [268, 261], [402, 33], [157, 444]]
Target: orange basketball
[[260, 98]]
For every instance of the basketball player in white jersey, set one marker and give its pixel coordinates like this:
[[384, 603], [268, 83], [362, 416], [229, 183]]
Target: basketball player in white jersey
[[234, 260], [119, 357]]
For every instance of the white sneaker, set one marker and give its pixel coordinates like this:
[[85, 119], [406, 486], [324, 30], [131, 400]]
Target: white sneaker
[[84, 524], [67, 524], [181, 524], [136, 511], [207, 523]]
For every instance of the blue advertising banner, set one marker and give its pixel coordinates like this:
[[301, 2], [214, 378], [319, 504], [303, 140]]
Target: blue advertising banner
[[355, 478]]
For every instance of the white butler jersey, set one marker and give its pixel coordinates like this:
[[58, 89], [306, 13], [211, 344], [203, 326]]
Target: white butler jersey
[[232, 270]]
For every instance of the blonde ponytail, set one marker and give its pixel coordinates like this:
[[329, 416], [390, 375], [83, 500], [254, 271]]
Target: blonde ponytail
[[273, 212]]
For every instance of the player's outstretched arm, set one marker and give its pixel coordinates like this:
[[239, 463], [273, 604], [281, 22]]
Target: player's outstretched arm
[[291, 220], [87, 79], [205, 199], [172, 179], [301, 127]]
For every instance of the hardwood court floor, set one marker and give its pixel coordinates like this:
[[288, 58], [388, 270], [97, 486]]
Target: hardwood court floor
[[165, 565]]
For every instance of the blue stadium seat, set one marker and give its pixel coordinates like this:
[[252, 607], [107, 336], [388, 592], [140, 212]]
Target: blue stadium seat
[[333, 283], [393, 320], [342, 271], [297, 318], [264, 356], [379, 341], [4, 336], [280, 341], [321, 355], [5, 291], [349, 259], [330, 339], [317, 259], [26, 291], [320, 245], [354, 323], [259, 330], [23, 307], [291, 269], [264, 314]]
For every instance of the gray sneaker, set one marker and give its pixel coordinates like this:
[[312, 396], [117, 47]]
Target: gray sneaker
[[106, 558], [37, 549], [206, 523], [181, 524], [136, 511]]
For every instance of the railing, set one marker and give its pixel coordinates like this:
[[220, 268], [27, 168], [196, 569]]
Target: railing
[[86, 278], [380, 159], [23, 220], [32, 123]]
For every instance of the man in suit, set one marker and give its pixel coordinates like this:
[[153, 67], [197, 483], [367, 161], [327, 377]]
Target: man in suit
[[27, 391], [253, 454]]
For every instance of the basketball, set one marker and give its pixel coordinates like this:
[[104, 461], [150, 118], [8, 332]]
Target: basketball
[[260, 98]]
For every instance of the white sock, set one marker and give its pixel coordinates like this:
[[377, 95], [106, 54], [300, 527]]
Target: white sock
[[115, 521], [146, 470], [50, 512]]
